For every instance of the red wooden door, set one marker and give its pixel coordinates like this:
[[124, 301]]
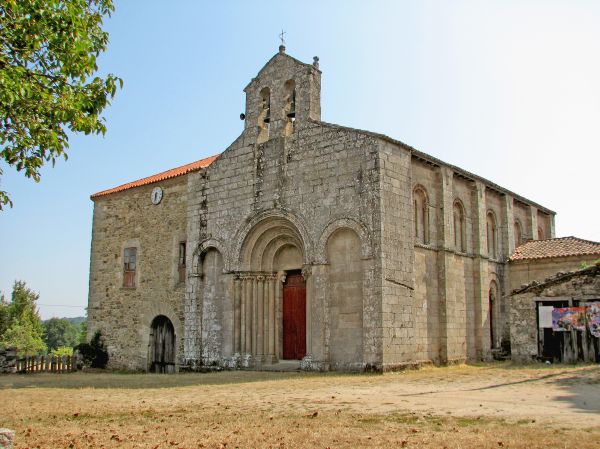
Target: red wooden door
[[294, 317]]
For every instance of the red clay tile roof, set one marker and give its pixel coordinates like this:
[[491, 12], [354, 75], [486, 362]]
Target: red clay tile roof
[[561, 247], [174, 172]]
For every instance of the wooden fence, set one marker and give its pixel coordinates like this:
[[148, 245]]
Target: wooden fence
[[47, 364]]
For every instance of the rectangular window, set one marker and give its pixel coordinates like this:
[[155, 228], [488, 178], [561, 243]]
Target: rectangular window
[[129, 267], [181, 262]]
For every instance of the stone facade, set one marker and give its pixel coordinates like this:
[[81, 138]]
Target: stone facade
[[124, 314], [402, 255]]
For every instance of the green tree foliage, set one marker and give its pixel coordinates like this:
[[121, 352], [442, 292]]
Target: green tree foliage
[[60, 332], [23, 326], [83, 332], [48, 86], [24, 337], [4, 315], [62, 350]]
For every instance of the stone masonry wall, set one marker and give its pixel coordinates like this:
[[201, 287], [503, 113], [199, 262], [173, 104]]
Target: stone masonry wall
[[452, 286], [397, 258], [8, 360], [124, 315]]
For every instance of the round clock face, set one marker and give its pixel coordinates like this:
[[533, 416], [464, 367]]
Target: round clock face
[[156, 195]]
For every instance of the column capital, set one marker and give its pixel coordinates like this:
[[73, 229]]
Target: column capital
[[306, 271]]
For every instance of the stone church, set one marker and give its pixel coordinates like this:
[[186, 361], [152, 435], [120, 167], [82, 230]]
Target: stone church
[[305, 244]]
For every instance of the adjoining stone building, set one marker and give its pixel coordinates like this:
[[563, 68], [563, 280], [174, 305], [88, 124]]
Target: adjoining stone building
[[334, 247], [548, 274], [537, 260], [533, 339]]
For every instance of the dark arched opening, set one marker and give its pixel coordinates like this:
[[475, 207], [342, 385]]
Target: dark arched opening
[[162, 345]]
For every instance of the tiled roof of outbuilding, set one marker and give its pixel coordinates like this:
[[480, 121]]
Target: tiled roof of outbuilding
[[172, 173], [560, 247]]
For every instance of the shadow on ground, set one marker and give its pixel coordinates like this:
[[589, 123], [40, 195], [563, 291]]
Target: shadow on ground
[[577, 390], [143, 380]]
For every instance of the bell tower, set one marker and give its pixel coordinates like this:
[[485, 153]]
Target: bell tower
[[284, 95]]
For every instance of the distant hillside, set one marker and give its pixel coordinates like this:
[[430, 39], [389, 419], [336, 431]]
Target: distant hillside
[[76, 320]]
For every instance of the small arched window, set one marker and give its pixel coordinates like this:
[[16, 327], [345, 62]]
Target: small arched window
[[421, 215], [518, 231], [492, 237], [460, 233], [541, 234]]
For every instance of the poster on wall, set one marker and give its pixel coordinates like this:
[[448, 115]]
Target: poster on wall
[[545, 316], [593, 318], [569, 319]]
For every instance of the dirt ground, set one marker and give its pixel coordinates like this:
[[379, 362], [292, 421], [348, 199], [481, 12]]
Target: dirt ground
[[494, 405]]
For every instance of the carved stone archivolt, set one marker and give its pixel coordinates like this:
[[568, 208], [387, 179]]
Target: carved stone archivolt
[[283, 224]]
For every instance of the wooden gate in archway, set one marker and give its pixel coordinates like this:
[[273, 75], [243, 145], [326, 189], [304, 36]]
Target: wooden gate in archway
[[162, 345]]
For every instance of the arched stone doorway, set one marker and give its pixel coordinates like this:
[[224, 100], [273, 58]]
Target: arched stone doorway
[[162, 345], [270, 312]]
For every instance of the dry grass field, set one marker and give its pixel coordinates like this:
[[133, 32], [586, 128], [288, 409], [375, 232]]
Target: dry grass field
[[489, 406]]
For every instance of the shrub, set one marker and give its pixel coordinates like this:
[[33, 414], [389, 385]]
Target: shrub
[[94, 353]]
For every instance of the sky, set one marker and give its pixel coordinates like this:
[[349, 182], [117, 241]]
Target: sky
[[505, 89]]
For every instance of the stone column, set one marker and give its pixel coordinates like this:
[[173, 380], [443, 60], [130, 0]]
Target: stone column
[[265, 321], [272, 323], [260, 313], [242, 315], [507, 228], [552, 226], [481, 322], [446, 243], [254, 315], [278, 313], [249, 314], [306, 274], [531, 232], [236, 315]]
